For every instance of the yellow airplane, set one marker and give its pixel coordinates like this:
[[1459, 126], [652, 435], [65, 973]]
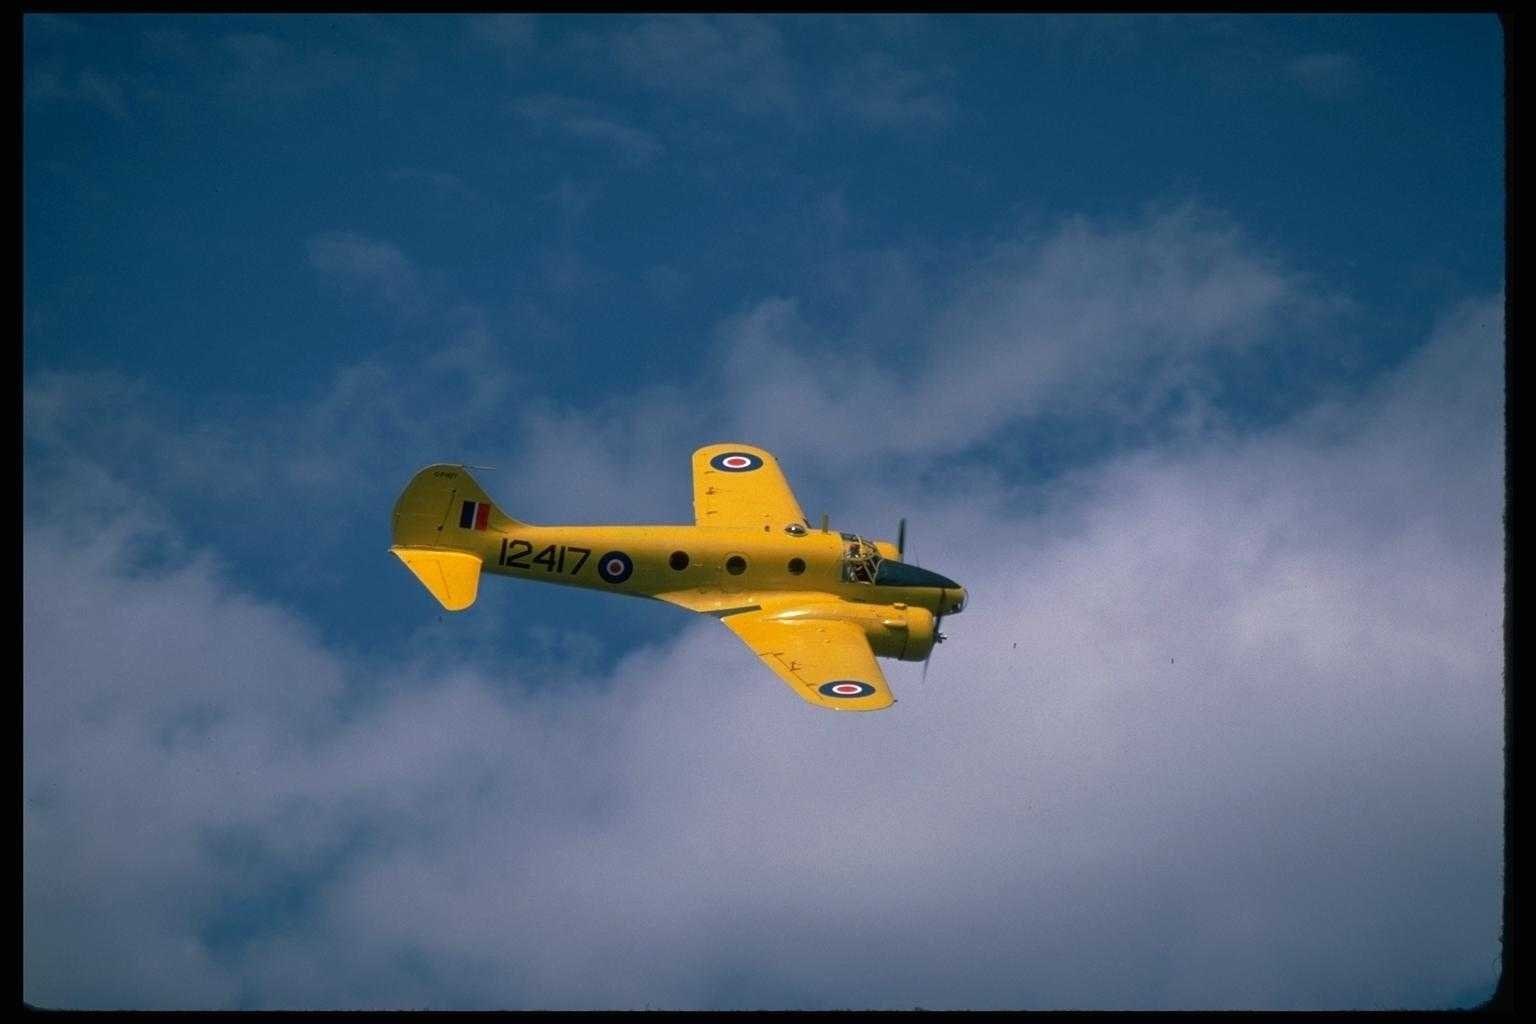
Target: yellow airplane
[[815, 606]]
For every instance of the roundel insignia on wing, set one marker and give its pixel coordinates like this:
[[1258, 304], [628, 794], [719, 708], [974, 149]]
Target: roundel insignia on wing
[[845, 689], [615, 567], [736, 462]]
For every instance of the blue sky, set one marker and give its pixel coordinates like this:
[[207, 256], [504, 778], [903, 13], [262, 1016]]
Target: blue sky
[[1178, 340]]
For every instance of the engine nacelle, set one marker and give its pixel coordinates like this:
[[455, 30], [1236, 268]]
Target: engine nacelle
[[904, 631], [894, 630]]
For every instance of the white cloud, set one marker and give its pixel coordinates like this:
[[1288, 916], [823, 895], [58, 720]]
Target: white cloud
[[374, 266], [629, 454], [739, 60], [1116, 323], [1246, 753], [588, 122], [882, 92], [1110, 323], [332, 460], [1116, 320], [746, 63], [633, 144]]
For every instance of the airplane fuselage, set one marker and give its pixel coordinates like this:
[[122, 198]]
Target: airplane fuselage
[[645, 561]]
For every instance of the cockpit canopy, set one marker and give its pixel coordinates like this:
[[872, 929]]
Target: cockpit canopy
[[861, 559], [862, 563]]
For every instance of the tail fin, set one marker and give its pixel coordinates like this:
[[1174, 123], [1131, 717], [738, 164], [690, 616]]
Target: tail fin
[[436, 532]]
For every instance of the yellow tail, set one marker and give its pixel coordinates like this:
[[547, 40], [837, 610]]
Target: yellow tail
[[437, 518]]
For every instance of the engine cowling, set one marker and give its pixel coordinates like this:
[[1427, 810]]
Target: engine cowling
[[904, 631], [894, 630]]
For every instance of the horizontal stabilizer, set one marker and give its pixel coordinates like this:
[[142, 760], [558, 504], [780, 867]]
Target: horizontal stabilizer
[[453, 577]]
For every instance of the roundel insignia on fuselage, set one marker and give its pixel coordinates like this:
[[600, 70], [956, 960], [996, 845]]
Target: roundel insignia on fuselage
[[845, 689], [615, 567], [736, 462]]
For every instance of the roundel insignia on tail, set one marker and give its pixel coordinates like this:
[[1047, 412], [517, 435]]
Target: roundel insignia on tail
[[845, 689], [615, 567], [736, 462]]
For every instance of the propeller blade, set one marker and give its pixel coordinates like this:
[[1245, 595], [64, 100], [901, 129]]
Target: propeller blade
[[901, 540], [938, 637]]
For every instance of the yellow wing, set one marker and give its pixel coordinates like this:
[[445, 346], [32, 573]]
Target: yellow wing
[[826, 661], [739, 485]]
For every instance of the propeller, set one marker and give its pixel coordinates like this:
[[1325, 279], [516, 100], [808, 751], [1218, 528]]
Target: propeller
[[938, 637], [901, 541]]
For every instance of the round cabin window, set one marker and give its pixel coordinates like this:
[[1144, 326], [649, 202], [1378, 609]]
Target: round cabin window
[[796, 566], [735, 565], [679, 560]]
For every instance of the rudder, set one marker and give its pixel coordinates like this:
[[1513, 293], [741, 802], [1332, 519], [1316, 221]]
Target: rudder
[[440, 501]]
